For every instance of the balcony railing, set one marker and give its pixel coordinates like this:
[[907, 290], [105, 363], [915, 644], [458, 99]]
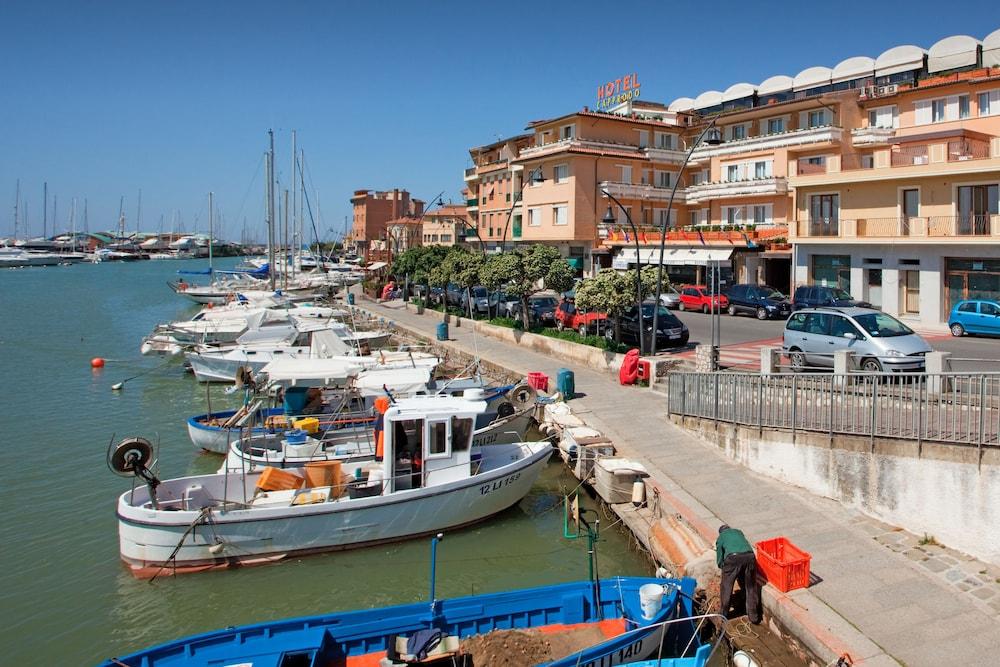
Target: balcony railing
[[754, 187], [906, 156], [470, 171], [981, 224], [642, 191], [868, 136], [805, 136], [968, 149], [472, 203], [819, 227], [806, 168], [883, 227]]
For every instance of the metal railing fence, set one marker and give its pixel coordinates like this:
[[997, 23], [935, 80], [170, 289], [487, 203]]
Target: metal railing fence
[[958, 408]]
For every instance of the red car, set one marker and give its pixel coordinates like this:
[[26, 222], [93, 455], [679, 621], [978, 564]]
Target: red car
[[568, 317], [697, 297]]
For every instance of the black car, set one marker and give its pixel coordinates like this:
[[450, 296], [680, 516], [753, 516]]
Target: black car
[[815, 296], [672, 332], [759, 300]]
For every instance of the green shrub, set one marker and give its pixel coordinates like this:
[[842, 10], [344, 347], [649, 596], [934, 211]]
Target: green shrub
[[508, 322], [599, 342]]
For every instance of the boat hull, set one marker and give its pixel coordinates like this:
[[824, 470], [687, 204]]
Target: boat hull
[[217, 439], [152, 539]]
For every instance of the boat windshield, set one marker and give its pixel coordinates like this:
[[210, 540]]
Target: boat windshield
[[882, 325]]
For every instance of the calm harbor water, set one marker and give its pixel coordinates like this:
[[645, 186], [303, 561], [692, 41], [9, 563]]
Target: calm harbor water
[[66, 597]]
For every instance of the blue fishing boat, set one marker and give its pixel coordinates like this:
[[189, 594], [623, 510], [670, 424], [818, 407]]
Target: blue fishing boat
[[610, 610]]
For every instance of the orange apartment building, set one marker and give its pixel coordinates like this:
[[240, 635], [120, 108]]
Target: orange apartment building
[[373, 210], [445, 225], [492, 183]]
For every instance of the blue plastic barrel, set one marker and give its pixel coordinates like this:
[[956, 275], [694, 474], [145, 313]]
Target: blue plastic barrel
[[442, 331], [566, 383], [350, 298], [295, 400]]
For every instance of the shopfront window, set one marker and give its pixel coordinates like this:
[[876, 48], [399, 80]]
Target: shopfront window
[[972, 279], [832, 271]]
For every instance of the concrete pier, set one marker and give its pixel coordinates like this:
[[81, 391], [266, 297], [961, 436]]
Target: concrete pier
[[874, 603]]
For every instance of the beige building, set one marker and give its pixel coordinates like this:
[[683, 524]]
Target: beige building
[[446, 225]]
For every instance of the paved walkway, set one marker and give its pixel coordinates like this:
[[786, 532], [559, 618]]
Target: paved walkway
[[882, 587]]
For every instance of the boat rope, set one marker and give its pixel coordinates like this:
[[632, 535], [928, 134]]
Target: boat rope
[[202, 517]]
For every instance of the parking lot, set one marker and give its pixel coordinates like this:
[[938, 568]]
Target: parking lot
[[743, 336]]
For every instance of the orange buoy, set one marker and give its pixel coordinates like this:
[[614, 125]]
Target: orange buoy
[[97, 362]]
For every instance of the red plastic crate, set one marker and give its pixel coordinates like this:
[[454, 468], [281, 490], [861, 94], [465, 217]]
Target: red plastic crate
[[785, 565], [538, 381]]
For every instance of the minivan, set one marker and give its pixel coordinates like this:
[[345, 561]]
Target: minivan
[[878, 341], [814, 296]]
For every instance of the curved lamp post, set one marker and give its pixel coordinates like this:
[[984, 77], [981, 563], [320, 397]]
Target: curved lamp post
[[534, 177], [712, 137], [609, 219]]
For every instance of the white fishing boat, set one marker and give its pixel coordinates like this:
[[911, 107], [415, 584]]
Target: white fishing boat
[[222, 365], [431, 479], [17, 257]]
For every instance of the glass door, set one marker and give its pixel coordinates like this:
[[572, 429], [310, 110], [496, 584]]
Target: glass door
[[874, 291], [910, 206]]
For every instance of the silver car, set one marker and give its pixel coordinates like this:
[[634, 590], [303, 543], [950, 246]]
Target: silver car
[[670, 297], [877, 341]]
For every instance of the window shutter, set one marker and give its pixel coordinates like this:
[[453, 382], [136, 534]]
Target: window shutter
[[951, 108], [803, 119], [923, 112]]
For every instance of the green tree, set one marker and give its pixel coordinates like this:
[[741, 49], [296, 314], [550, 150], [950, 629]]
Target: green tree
[[611, 292], [526, 271]]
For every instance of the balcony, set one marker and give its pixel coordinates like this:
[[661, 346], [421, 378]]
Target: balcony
[[588, 145], [827, 134], [470, 174], [806, 168], [668, 155], [472, 204], [872, 136], [961, 150], [756, 187], [907, 156], [902, 228], [642, 191]]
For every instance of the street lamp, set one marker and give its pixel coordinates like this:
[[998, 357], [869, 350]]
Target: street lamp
[[712, 137], [609, 219], [535, 177]]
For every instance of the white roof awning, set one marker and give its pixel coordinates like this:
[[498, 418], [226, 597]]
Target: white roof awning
[[738, 91], [991, 49], [853, 68], [775, 84], [674, 256], [812, 77], [952, 52], [681, 104], [375, 266], [707, 99], [899, 59]]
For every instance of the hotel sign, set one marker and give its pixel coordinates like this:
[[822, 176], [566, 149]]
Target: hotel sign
[[618, 91]]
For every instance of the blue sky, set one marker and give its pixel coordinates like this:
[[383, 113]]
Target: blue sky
[[102, 99]]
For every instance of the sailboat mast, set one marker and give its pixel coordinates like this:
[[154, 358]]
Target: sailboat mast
[[211, 230], [295, 236], [45, 209], [86, 220], [121, 219], [286, 238], [72, 225], [17, 202], [270, 207], [302, 199], [138, 215]]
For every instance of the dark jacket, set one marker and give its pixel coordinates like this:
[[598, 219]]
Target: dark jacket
[[731, 541]]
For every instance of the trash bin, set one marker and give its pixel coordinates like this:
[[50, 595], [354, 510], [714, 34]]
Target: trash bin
[[442, 331], [350, 298], [566, 383]]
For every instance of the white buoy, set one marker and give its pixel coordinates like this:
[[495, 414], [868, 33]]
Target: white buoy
[[638, 493], [217, 548]]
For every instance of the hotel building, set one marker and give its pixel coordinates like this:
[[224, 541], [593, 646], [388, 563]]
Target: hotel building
[[373, 210], [879, 174]]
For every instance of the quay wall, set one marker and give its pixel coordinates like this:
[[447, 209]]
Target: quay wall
[[948, 492]]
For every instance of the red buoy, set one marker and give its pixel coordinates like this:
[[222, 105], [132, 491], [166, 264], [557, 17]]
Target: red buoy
[[97, 362]]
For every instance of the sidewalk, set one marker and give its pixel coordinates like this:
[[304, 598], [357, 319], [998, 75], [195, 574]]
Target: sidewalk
[[907, 612]]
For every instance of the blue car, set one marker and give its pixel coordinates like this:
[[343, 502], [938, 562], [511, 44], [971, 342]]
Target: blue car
[[975, 316]]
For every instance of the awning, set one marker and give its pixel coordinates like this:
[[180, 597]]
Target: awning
[[375, 266], [674, 257], [401, 381]]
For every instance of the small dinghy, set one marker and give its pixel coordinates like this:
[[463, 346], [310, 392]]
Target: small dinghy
[[598, 624], [428, 479]]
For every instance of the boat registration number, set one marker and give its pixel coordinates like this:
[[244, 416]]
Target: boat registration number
[[499, 484], [623, 655]]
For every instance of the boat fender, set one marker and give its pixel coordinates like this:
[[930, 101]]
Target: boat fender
[[505, 410], [638, 493]]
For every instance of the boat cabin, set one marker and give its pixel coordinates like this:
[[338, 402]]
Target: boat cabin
[[428, 441]]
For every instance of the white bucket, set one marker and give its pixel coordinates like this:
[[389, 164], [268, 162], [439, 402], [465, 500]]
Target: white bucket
[[650, 599]]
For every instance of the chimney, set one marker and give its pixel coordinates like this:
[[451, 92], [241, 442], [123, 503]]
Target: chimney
[[395, 203]]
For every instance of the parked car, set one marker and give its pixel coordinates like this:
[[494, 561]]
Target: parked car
[[975, 316], [541, 310], [760, 300], [671, 332], [568, 317], [482, 301], [698, 297], [814, 296], [454, 293], [878, 341], [506, 304], [436, 293], [670, 297]]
